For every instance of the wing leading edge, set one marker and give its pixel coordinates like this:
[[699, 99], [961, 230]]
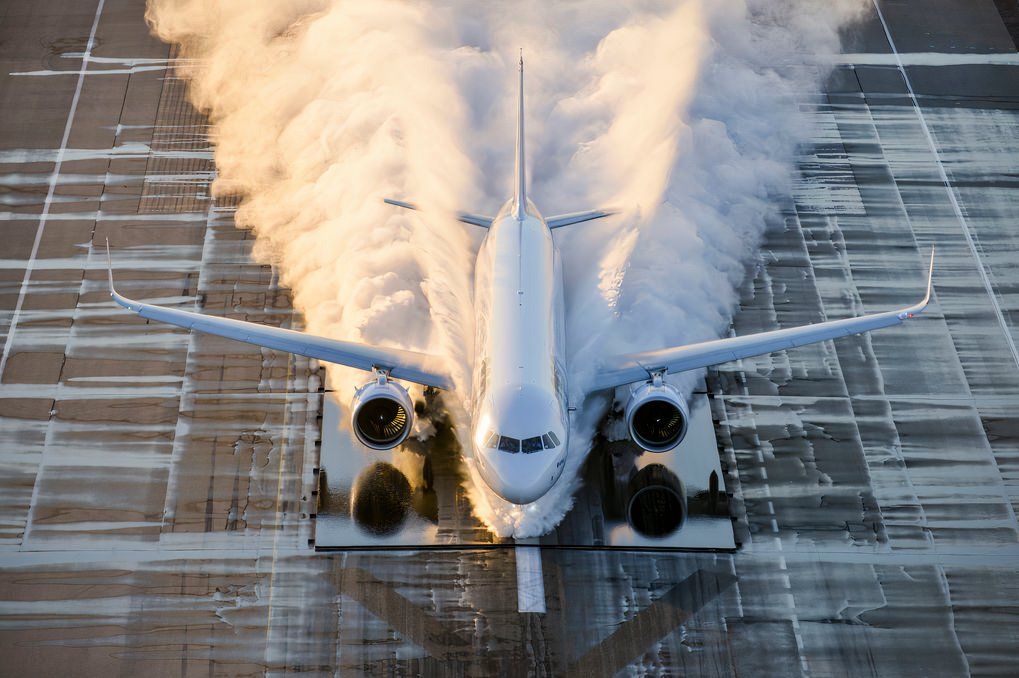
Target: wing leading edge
[[419, 368], [633, 367]]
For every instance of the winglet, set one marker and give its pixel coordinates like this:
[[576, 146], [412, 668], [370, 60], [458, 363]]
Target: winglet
[[109, 268], [122, 301], [930, 278], [915, 309]]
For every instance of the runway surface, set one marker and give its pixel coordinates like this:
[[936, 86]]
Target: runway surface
[[156, 488]]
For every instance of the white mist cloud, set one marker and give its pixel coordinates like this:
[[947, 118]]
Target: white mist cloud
[[682, 115], [321, 109]]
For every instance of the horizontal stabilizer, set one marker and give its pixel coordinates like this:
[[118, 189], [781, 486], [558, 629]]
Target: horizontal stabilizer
[[466, 217], [576, 217]]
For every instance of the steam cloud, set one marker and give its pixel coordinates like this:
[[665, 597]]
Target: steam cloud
[[682, 115]]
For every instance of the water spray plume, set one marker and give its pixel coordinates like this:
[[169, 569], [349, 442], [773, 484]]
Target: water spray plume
[[684, 117]]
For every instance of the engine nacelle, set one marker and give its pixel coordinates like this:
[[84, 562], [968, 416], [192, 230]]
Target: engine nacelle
[[382, 414], [656, 416]]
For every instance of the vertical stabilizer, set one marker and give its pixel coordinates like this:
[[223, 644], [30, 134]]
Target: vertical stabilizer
[[520, 194]]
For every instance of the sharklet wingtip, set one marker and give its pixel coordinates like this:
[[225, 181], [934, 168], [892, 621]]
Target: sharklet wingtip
[[109, 269], [930, 278], [919, 307]]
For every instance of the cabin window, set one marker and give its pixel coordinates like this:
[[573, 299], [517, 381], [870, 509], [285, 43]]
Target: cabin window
[[532, 445], [552, 435], [548, 441], [507, 444], [493, 439]]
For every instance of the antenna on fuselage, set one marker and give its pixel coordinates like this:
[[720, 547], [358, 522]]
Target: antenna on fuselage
[[520, 194]]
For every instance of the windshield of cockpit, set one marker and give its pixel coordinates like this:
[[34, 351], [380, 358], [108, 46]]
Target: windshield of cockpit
[[545, 441]]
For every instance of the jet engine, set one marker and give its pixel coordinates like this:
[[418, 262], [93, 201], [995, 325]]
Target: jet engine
[[656, 416], [382, 414]]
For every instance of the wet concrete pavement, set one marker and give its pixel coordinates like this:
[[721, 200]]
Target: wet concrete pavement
[[156, 487]]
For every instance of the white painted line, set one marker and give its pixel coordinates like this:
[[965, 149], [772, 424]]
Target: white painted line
[[9, 341], [33, 502], [530, 582], [928, 59], [948, 186]]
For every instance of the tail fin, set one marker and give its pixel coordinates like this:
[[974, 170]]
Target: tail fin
[[520, 194]]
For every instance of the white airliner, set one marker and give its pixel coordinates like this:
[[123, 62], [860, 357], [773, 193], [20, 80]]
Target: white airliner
[[518, 402]]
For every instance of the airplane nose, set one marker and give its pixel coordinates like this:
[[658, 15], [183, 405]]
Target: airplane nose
[[518, 478], [516, 496]]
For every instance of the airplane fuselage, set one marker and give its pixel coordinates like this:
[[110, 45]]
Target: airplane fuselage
[[519, 412]]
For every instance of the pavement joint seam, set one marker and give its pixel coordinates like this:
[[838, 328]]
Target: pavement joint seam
[[9, 340]]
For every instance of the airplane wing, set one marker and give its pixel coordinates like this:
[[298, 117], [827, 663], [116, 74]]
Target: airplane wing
[[634, 367], [466, 217], [419, 368]]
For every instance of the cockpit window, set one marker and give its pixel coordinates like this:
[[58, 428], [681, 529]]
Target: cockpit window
[[545, 441], [532, 445], [507, 444]]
